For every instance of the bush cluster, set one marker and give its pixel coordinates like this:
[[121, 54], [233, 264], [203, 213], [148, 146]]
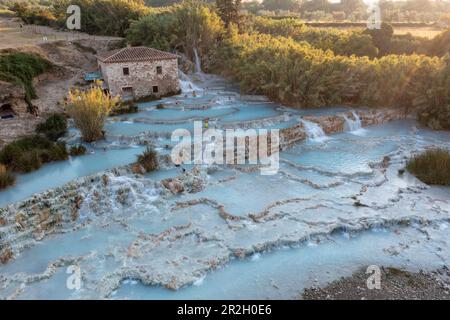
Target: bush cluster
[[54, 127], [29, 153], [431, 166], [148, 160]]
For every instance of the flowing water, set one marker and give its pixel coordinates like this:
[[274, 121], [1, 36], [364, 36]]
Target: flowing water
[[354, 125], [198, 64], [314, 131], [289, 231]]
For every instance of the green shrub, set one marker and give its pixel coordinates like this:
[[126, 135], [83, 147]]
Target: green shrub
[[58, 152], [28, 161], [431, 167], [160, 106], [54, 127], [77, 150], [7, 178], [148, 159], [28, 154]]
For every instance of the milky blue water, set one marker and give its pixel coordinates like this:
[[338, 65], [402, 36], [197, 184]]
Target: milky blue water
[[221, 105], [328, 172]]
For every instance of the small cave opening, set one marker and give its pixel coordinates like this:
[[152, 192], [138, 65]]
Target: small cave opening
[[6, 111]]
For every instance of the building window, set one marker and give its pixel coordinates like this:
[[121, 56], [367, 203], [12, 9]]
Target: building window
[[158, 70], [155, 89], [126, 71]]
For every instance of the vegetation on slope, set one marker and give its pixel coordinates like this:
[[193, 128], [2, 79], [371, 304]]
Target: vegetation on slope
[[20, 68]]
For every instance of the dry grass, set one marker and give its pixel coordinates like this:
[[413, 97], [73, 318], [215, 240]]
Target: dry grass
[[148, 160], [89, 110], [7, 178]]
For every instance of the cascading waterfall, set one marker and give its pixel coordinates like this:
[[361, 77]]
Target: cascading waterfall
[[198, 65], [186, 83], [314, 131], [114, 193], [353, 126]]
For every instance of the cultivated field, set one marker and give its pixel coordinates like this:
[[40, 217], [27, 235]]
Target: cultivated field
[[419, 31], [425, 32]]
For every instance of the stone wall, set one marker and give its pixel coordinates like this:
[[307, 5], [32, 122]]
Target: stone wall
[[142, 77]]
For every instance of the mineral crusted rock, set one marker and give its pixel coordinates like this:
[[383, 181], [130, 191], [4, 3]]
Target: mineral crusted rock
[[173, 185], [190, 181], [6, 255]]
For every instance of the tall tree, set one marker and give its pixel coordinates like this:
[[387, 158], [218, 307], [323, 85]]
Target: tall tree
[[229, 10]]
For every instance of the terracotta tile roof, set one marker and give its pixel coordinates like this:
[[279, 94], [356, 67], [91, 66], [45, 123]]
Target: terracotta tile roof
[[130, 54]]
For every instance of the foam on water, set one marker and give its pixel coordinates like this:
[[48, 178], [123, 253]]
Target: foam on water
[[187, 85], [354, 126]]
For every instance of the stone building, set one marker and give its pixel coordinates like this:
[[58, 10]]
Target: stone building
[[138, 72]]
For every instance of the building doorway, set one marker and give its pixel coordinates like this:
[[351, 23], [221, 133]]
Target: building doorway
[[127, 93]]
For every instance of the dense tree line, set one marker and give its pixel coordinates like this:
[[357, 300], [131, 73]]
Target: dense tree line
[[371, 43], [340, 42]]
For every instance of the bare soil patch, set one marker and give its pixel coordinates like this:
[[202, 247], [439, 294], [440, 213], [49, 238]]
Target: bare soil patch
[[396, 284]]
